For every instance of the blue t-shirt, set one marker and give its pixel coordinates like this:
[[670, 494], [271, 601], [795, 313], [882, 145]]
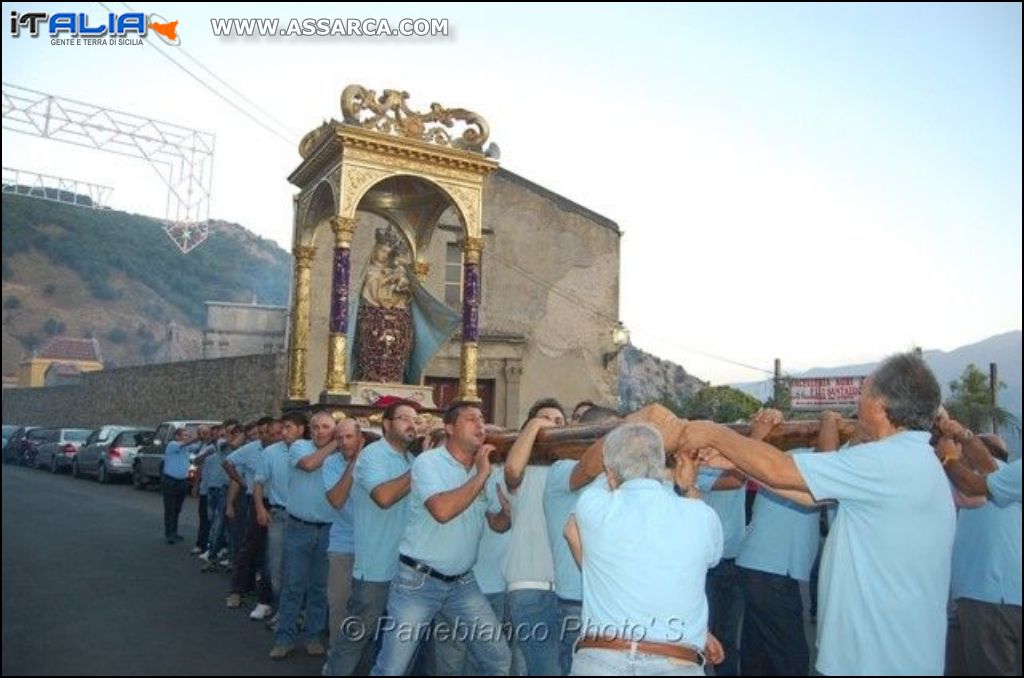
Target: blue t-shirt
[[342, 538], [246, 460], [306, 498], [646, 553], [731, 507], [559, 502], [885, 570], [176, 459], [494, 546], [451, 547], [213, 474], [782, 537], [273, 472], [378, 530], [986, 553], [1005, 484]]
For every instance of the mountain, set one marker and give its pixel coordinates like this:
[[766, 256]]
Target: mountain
[[116, 276], [1002, 349]]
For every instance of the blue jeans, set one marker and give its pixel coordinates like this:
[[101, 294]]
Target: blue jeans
[[305, 578], [725, 613], [535, 629], [451, 656], [569, 625], [416, 598], [773, 641], [593, 662], [358, 632], [216, 498]]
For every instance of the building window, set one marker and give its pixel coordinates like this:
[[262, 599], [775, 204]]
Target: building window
[[453, 276]]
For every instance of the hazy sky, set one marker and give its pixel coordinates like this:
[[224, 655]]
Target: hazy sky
[[823, 184]]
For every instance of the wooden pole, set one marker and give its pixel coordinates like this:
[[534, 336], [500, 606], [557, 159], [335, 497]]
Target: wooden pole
[[570, 442]]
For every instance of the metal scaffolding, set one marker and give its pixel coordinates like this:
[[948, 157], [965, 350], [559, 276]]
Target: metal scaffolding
[[57, 189], [182, 157]]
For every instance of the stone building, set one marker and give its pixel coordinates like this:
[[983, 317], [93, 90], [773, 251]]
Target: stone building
[[234, 329]]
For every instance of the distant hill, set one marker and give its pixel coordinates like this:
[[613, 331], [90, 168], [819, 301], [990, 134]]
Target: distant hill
[[118, 277], [1002, 349]]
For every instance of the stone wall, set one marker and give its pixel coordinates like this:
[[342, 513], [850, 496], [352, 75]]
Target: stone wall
[[244, 387]]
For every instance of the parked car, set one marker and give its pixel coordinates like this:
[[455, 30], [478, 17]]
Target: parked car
[[110, 452], [14, 450], [58, 448], [9, 430], [149, 460]]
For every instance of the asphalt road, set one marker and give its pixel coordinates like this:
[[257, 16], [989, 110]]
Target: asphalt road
[[90, 588]]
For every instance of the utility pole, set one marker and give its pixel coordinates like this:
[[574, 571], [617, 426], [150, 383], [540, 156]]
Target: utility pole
[[993, 385]]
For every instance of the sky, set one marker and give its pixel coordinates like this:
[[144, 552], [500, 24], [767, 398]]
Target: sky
[[820, 184]]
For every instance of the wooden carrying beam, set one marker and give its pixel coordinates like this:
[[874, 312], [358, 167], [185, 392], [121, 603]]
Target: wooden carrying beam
[[570, 442]]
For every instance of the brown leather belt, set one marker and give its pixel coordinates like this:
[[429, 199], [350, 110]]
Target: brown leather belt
[[644, 647]]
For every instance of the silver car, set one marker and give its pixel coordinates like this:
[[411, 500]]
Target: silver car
[[59, 447], [110, 451]]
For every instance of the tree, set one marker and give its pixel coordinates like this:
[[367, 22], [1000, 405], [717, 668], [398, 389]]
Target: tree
[[971, 404], [53, 326], [723, 404]]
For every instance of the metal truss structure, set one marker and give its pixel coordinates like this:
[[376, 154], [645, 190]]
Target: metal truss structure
[[182, 157], [57, 189]]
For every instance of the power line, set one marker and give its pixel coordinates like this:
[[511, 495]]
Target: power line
[[284, 127], [216, 93]]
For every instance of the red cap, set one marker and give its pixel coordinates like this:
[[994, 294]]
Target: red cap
[[388, 400]]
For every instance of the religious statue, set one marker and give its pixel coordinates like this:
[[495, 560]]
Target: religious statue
[[385, 334]]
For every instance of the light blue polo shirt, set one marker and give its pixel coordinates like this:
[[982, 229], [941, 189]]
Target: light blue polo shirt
[[342, 538], [273, 473], [494, 546], [378, 531], [176, 459], [646, 553], [450, 548], [559, 503], [782, 537], [986, 553], [1005, 484], [529, 555], [885, 570], [731, 507], [213, 474], [306, 498], [246, 460]]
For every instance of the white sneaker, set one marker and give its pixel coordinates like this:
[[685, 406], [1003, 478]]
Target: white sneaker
[[195, 550], [261, 612], [224, 562], [205, 556]]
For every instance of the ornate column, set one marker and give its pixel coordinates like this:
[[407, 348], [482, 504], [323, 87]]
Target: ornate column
[[471, 249], [337, 351], [299, 335]]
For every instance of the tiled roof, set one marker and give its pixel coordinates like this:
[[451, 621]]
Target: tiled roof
[[66, 348]]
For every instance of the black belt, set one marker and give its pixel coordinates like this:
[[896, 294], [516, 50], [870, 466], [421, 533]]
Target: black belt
[[308, 522], [429, 571]]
